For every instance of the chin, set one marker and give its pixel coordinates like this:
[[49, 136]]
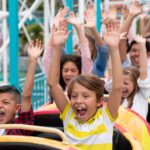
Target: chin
[[125, 96]]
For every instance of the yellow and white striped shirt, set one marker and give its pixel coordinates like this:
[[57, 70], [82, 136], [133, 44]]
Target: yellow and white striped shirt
[[95, 134]]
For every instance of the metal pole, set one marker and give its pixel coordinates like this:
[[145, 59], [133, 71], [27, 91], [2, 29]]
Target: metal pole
[[81, 9], [98, 15], [46, 26], [69, 4], [14, 41], [4, 59]]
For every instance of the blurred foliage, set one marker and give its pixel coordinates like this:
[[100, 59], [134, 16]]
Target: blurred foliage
[[32, 26]]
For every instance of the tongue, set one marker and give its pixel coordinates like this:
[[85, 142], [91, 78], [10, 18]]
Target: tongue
[[1, 114], [81, 112]]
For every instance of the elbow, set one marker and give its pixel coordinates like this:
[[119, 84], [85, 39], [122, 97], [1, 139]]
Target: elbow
[[117, 87], [52, 83], [26, 95]]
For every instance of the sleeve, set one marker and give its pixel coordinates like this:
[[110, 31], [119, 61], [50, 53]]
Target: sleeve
[[46, 60], [23, 118], [100, 61], [87, 63], [144, 86], [108, 85]]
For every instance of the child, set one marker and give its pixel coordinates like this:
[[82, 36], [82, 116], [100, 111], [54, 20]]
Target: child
[[87, 63], [10, 97], [136, 87], [100, 60], [136, 82], [87, 125]]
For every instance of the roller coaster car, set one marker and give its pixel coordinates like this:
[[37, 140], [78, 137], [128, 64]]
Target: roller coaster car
[[135, 128], [9, 142], [123, 139]]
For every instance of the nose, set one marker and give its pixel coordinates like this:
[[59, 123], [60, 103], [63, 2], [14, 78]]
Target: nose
[[136, 52], [79, 99], [69, 73], [1, 104]]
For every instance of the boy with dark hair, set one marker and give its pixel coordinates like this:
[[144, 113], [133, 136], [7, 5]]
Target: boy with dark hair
[[10, 98]]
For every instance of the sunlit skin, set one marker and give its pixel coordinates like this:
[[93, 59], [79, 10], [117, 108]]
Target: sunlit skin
[[8, 108], [134, 54], [128, 86], [83, 102], [69, 71]]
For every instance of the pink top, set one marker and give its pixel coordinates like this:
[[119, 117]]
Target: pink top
[[87, 63]]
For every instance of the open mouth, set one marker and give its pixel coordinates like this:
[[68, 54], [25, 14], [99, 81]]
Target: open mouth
[[124, 92], [81, 111], [2, 113]]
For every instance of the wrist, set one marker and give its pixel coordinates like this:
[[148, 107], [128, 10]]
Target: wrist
[[79, 28], [58, 47], [132, 15], [32, 60], [93, 29], [114, 47]]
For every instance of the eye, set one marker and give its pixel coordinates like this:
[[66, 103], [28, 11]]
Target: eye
[[65, 70], [73, 96], [74, 70], [6, 102], [86, 96]]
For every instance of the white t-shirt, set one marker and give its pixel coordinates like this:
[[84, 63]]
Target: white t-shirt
[[140, 100], [2, 132]]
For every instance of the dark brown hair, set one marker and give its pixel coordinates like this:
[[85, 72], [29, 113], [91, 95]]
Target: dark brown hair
[[11, 90], [69, 58]]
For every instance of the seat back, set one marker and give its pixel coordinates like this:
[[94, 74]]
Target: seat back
[[134, 128]]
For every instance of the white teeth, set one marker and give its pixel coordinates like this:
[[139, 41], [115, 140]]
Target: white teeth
[[80, 108], [1, 112]]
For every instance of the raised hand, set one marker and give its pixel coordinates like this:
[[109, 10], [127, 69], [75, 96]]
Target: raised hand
[[112, 36], [139, 39], [125, 11], [60, 34], [74, 20], [90, 16], [35, 49], [60, 15], [135, 8]]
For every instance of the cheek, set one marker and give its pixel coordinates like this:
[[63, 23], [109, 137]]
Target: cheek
[[72, 103], [63, 74], [131, 88], [75, 74]]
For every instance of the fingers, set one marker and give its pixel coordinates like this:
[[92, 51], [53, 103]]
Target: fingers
[[112, 25], [139, 39], [36, 43], [63, 25]]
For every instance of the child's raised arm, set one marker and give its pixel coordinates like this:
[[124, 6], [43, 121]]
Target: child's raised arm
[[90, 18], [87, 62], [59, 37], [34, 51], [134, 10], [112, 38], [142, 56], [46, 60]]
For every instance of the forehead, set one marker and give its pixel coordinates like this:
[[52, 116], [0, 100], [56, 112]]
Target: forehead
[[69, 64], [135, 46], [8, 96], [127, 77], [79, 88]]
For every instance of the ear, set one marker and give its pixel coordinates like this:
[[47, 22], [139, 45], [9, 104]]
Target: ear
[[18, 107], [99, 103]]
